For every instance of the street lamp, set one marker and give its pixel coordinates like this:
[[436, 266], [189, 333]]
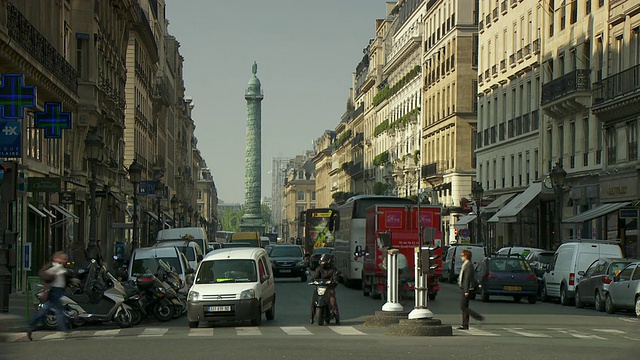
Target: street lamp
[[190, 212], [478, 192], [93, 150], [159, 190], [135, 170], [174, 206], [558, 176]]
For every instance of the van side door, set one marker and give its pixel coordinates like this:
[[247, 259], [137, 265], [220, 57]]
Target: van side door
[[267, 287]]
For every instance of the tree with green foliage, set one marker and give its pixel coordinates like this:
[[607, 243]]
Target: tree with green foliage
[[231, 217]]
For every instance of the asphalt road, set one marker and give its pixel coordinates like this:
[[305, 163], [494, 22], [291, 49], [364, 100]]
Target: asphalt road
[[511, 331]]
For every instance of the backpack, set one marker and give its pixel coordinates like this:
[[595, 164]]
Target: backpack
[[44, 275]]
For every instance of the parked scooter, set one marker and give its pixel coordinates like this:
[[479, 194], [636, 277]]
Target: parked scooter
[[173, 285], [321, 300], [71, 311]]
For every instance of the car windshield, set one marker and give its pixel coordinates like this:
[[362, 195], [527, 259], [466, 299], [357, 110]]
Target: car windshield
[[545, 258], [235, 245], [223, 271], [150, 265], [286, 251], [617, 266], [509, 265]]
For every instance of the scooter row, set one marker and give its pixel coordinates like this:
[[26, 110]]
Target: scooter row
[[100, 297]]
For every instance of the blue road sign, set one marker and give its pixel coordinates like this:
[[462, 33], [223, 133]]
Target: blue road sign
[[148, 188], [11, 139]]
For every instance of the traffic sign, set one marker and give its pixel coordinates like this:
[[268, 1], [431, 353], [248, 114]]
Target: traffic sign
[[465, 233]]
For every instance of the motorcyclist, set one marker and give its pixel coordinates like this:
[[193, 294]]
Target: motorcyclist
[[327, 271]]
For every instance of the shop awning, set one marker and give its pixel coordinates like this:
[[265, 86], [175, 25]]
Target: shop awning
[[152, 215], [596, 212], [66, 213], [498, 203], [117, 197], [464, 221], [166, 215], [509, 213], [37, 211], [47, 212]]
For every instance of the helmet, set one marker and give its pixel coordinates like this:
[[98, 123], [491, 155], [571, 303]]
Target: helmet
[[326, 260]]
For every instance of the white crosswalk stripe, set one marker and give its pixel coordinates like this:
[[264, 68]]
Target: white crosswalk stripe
[[56, 336], [477, 332], [609, 331], [106, 334], [576, 334], [296, 330], [248, 331], [518, 331], [153, 332], [201, 332], [346, 330]]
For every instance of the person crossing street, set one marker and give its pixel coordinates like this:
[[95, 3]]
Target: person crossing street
[[467, 283]]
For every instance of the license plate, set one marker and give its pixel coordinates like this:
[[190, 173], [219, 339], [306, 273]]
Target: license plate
[[512, 288], [285, 271], [218, 308]]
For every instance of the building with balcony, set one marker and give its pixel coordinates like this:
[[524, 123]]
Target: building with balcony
[[278, 174], [322, 163], [508, 156], [449, 106], [299, 194]]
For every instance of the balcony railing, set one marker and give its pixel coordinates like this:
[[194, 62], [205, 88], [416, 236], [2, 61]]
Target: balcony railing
[[430, 170], [519, 55], [577, 80], [494, 70], [358, 140], [358, 111], [512, 60], [536, 46], [527, 50], [30, 39], [616, 85]]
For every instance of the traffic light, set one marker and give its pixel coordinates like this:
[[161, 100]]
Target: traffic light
[[11, 182], [430, 261]]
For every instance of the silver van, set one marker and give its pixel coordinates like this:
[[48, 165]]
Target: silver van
[[145, 260]]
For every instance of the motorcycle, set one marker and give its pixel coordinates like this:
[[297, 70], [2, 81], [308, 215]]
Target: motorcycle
[[321, 300], [173, 286], [71, 311], [154, 298]]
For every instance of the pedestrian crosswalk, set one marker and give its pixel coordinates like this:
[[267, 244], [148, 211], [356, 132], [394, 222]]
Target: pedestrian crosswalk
[[584, 333]]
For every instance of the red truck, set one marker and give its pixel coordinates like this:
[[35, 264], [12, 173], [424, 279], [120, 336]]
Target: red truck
[[402, 222]]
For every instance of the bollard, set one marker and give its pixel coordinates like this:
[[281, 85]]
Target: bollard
[[420, 310], [392, 303]]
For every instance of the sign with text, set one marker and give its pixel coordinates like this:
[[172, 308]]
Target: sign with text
[[67, 197], [43, 184], [148, 188], [11, 139]]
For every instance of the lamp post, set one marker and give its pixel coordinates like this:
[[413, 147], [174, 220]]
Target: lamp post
[[93, 150], [190, 212], [135, 169], [478, 192], [196, 218], [174, 206], [159, 190], [558, 176]]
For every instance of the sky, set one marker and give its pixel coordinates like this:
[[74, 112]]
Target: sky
[[306, 53]]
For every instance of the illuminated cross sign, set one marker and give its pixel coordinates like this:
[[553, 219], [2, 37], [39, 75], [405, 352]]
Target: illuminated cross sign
[[15, 96], [53, 120]]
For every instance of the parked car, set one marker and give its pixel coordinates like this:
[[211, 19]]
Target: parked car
[[453, 260], [314, 259], [506, 276], [624, 291], [518, 250], [288, 261], [561, 277], [189, 248], [145, 261], [595, 281], [233, 284], [539, 261]]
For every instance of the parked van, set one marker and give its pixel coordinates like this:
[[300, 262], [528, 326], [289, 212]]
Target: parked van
[[233, 284], [570, 258], [189, 248], [453, 260], [250, 237], [145, 260], [198, 234]]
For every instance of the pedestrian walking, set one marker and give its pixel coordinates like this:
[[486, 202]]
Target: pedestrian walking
[[467, 283], [54, 278]]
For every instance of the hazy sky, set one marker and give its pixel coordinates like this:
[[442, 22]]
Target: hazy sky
[[306, 52]]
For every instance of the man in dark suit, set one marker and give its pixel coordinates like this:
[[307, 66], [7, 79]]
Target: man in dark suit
[[467, 283]]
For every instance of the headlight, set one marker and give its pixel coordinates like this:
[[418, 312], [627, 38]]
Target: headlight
[[248, 294], [193, 296], [162, 290], [301, 263]]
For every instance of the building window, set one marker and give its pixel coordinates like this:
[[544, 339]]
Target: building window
[[34, 139], [587, 7], [574, 12], [632, 139], [552, 12], [300, 209], [585, 141], [600, 145], [313, 196], [301, 195], [572, 133], [199, 194], [563, 15], [611, 145]]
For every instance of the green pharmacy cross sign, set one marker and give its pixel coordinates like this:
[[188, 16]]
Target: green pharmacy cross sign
[[53, 120], [15, 96]]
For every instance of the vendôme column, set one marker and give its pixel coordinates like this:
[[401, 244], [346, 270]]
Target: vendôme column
[[252, 218]]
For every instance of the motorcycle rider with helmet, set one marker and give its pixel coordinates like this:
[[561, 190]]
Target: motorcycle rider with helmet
[[327, 271]]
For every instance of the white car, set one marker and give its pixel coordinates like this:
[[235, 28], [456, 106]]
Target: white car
[[233, 284]]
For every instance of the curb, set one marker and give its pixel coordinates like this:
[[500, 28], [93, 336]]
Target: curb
[[420, 327]]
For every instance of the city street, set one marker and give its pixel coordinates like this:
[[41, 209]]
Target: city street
[[511, 331]]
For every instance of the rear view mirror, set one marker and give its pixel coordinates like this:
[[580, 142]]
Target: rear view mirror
[[581, 273]]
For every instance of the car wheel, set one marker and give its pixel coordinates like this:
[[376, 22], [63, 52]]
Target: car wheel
[[608, 305], [366, 290], [271, 313], [193, 324], [637, 308], [517, 298], [452, 277], [564, 300], [599, 304], [303, 278], [578, 300], [485, 295], [544, 295], [532, 299], [258, 319]]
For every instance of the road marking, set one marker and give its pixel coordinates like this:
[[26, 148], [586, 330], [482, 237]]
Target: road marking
[[56, 336], [627, 319], [296, 330], [346, 330], [477, 332], [201, 332], [148, 332], [248, 331], [13, 337], [525, 333], [577, 335], [107, 333], [610, 331]]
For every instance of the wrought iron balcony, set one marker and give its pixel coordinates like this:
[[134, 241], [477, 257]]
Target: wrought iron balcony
[[358, 111], [355, 169], [575, 81], [25, 34], [430, 170], [536, 46], [358, 140], [617, 95]]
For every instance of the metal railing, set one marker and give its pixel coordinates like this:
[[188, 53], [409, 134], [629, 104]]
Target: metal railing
[[616, 85], [577, 80]]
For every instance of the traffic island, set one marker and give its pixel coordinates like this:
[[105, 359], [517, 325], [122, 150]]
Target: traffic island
[[386, 318], [420, 327]]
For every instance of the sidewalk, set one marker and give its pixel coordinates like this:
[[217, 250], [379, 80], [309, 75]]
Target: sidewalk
[[14, 320]]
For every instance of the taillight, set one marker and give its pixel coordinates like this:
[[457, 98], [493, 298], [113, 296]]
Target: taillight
[[606, 280], [532, 278], [491, 276], [572, 279]]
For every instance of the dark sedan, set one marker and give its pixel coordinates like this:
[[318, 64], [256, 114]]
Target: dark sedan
[[593, 285], [506, 276], [314, 260], [288, 261]]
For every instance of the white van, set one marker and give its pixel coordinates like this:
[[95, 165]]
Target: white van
[[452, 262], [233, 284], [561, 277], [198, 234], [189, 248], [145, 260]]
